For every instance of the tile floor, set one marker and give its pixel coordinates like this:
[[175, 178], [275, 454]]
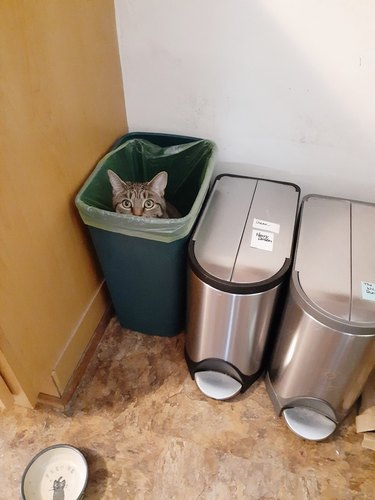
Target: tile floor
[[148, 433]]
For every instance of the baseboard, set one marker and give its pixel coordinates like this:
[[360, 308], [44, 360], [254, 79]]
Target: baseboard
[[71, 387], [79, 339]]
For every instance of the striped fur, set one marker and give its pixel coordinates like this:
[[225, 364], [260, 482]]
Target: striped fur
[[143, 199]]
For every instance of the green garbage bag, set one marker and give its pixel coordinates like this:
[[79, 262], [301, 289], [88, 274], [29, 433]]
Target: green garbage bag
[[189, 167]]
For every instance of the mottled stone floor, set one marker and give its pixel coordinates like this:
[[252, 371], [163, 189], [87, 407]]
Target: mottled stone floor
[[148, 433]]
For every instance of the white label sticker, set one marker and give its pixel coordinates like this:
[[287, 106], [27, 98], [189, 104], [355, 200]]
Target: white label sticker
[[266, 225], [262, 240], [368, 290]]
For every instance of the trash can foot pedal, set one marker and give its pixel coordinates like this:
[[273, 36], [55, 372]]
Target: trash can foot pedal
[[217, 385]]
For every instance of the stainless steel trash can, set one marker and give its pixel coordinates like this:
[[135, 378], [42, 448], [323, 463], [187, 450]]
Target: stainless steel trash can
[[238, 257], [326, 345]]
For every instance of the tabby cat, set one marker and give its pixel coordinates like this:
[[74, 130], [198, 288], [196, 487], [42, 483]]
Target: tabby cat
[[145, 199]]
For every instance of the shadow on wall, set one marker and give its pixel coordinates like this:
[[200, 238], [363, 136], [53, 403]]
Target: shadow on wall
[[307, 126], [334, 185]]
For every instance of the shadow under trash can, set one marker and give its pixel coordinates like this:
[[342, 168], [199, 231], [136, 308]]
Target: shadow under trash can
[[144, 259]]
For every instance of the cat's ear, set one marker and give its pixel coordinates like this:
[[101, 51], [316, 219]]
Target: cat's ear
[[116, 183], [159, 183]]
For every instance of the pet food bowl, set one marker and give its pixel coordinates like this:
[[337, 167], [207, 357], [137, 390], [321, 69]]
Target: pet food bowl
[[59, 471]]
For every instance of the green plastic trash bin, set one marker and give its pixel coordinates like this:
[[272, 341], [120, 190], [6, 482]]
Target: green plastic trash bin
[[144, 260]]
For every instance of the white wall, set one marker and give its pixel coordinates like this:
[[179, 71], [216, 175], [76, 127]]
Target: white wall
[[284, 87]]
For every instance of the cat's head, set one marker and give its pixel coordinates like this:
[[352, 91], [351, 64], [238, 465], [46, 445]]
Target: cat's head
[[144, 199], [59, 484]]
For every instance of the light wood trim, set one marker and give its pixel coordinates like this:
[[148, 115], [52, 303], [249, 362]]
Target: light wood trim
[[78, 342], [6, 397], [10, 379], [62, 402]]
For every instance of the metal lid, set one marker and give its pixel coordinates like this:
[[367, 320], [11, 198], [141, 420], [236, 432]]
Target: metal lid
[[335, 258], [246, 231], [308, 423], [217, 385]]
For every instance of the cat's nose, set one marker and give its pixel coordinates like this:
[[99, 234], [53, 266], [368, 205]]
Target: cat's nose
[[137, 211]]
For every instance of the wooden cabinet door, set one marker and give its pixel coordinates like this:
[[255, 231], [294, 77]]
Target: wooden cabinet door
[[62, 106]]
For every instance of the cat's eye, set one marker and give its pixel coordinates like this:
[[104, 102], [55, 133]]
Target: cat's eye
[[149, 204], [127, 204]]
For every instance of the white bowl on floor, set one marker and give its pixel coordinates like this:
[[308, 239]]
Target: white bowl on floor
[[59, 472]]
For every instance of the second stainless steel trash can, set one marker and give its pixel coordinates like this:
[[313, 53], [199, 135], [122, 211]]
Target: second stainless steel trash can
[[239, 257], [326, 344]]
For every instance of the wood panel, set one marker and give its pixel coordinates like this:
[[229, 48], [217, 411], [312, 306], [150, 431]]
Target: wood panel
[[63, 401], [6, 397], [62, 106]]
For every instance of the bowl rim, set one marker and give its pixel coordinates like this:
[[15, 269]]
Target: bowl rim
[[42, 452]]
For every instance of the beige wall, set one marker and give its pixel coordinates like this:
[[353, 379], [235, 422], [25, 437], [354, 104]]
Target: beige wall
[[285, 88], [61, 108]]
